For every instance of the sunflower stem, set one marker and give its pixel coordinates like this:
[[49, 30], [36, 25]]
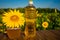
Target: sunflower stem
[[44, 28]]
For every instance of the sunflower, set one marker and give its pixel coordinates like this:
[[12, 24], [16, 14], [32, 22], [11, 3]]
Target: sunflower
[[13, 19], [45, 24]]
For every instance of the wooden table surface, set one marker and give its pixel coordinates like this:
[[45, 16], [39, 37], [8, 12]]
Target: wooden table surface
[[40, 35]]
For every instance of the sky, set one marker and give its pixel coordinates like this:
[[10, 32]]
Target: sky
[[24, 3]]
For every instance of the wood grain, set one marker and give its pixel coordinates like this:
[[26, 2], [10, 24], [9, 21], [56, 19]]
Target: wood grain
[[40, 35]]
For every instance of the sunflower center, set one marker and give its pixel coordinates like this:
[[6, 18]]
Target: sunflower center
[[14, 18], [45, 24]]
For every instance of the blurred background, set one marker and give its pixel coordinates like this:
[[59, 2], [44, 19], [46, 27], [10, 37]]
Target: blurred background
[[48, 11]]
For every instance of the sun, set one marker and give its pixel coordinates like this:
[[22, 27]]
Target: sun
[[13, 19]]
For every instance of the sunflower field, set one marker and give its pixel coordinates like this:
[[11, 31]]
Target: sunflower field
[[44, 21]]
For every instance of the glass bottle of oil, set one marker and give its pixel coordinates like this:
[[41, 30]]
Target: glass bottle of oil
[[30, 17]]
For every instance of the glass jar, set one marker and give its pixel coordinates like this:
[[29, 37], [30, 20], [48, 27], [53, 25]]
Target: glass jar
[[14, 33]]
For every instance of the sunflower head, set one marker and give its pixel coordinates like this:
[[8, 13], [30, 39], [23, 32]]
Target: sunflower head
[[13, 19], [45, 24]]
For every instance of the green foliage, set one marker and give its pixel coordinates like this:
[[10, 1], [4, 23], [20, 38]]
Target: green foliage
[[53, 20]]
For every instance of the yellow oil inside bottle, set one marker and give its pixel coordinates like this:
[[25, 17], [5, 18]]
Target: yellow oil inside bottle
[[30, 18]]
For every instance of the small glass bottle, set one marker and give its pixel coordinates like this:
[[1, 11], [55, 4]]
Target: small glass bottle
[[30, 17]]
